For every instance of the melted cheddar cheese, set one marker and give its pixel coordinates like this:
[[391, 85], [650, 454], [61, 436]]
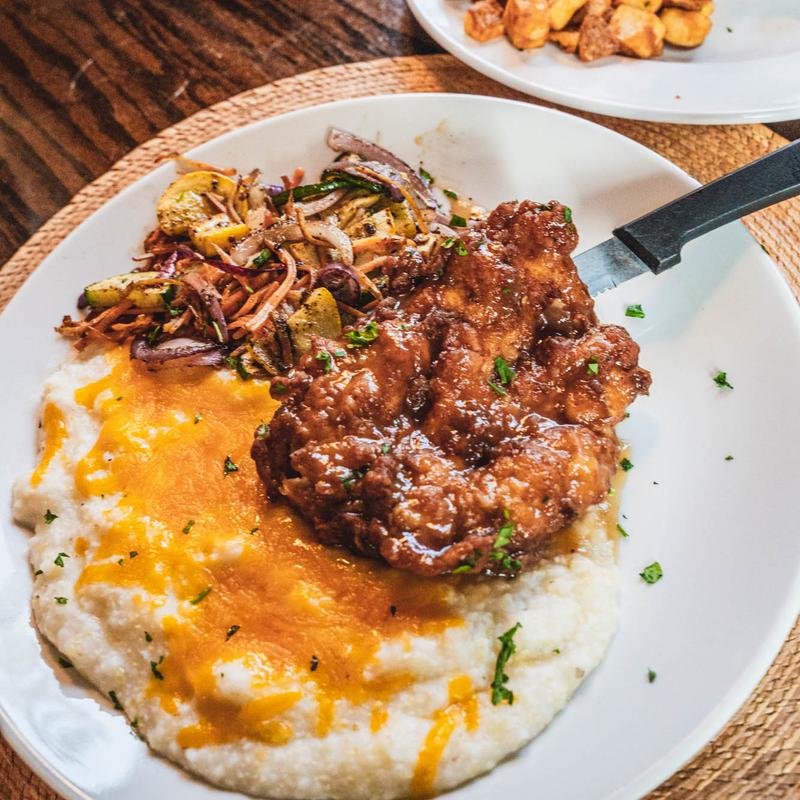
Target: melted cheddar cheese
[[242, 579]]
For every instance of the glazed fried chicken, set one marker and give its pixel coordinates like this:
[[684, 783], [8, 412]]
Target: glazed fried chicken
[[467, 421]]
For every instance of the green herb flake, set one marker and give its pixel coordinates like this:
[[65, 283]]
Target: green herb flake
[[622, 532], [426, 176], [188, 526], [340, 353], [200, 597], [278, 388], [229, 466], [113, 697], [567, 214], [262, 430], [457, 221], [155, 670], [504, 535], [507, 649], [386, 448], [557, 651], [133, 553], [121, 562], [451, 194], [626, 465], [730, 30], [634, 311], [467, 566], [262, 258], [652, 573], [59, 560], [721, 379], [355, 474], [651, 675], [254, 531], [65, 662], [152, 335], [147, 637], [505, 372], [237, 363], [314, 664], [62, 601], [231, 631], [497, 389], [326, 359], [729, 458], [363, 337], [49, 516], [461, 248], [592, 366]]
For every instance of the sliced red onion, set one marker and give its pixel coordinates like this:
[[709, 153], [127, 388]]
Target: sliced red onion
[[168, 267], [325, 202], [341, 281], [246, 248], [346, 142], [177, 353], [210, 299], [334, 236], [83, 301]]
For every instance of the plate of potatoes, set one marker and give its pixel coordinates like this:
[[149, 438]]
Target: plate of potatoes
[[690, 61]]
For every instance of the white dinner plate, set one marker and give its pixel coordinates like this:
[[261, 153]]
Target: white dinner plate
[[746, 70], [725, 531]]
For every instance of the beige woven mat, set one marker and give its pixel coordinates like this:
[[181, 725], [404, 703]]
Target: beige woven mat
[[758, 754]]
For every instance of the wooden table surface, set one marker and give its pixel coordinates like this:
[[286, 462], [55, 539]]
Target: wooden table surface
[[82, 82]]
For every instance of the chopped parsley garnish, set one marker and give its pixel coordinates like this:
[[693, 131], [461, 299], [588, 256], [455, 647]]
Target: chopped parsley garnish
[[133, 553], [326, 359], [152, 335], [505, 372], [651, 675], [386, 448], [507, 649], [567, 214], [121, 562], [155, 670], [497, 389], [49, 516], [59, 560], [557, 650], [62, 601], [237, 363], [188, 526], [262, 430], [729, 458], [229, 466], [634, 311], [195, 600], [314, 663], [168, 295], [466, 566], [117, 705], [626, 465], [147, 637], [355, 474], [621, 531], [367, 335], [262, 258], [721, 379], [426, 176], [652, 573], [451, 194], [592, 366], [461, 248], [231, 631], [451, 241], [65, 662], [254, 530], [278, 388], [502, 540], [217, 331], [457, 221]]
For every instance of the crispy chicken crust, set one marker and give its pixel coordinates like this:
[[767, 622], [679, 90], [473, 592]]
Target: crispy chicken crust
[[420, 447]]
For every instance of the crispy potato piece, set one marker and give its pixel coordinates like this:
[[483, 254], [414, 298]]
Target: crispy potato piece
[[566, 40], [484, 20], [562, 11], [685, 28], [688, 5], [527, 23], [596, 39], [707, 9], [595, 8], [639, 33], [645, 5]]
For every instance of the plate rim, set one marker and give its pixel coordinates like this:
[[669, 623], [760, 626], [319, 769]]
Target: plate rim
[[738, 692], [472, 59]]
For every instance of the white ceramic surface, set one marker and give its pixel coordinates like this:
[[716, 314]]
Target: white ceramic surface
[[724, 531], [746, 70]]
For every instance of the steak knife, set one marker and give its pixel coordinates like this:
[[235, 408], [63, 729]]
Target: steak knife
[[653, 242]]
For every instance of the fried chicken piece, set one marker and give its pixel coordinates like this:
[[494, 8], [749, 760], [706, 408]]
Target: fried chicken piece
[[477, 424]]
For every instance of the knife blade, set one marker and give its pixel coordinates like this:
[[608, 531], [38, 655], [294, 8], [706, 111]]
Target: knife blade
[[654, 241]]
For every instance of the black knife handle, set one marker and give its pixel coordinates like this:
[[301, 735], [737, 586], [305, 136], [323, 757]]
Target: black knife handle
[[658, 237]]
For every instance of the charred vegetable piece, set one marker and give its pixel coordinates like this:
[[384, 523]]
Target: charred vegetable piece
[[217, 230], [147, 292], [328, 184], [183, 204], [318, 316]]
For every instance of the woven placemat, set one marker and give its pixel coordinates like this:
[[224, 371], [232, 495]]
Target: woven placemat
[[758, 754]]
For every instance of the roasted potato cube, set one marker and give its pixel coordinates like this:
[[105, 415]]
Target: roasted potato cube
[[639, 33], [562, 11], [566, 40], [597, 8], [645, 5], [685, 28], [596, 40], [484, 20], [527, 23], [688, 5]]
